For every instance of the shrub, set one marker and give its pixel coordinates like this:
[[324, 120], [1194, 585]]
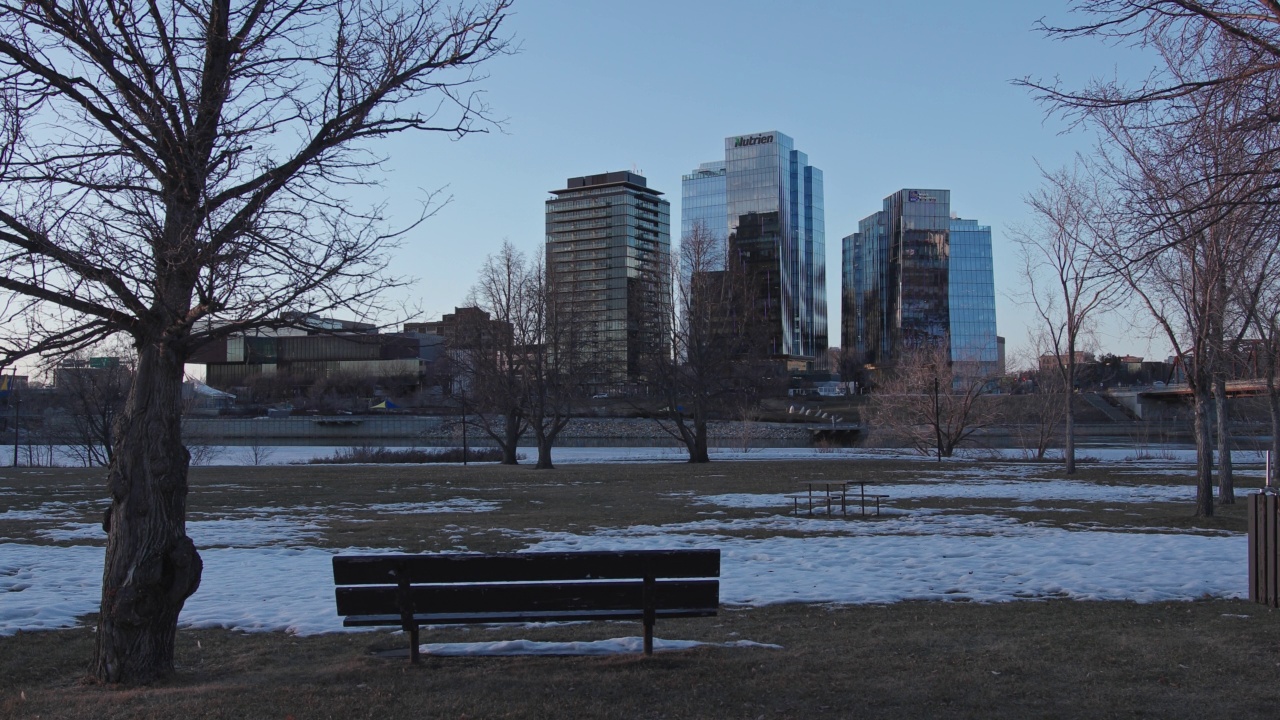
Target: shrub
[[385, 455]]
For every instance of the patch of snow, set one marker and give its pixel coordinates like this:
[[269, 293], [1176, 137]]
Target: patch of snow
[[614, 646]]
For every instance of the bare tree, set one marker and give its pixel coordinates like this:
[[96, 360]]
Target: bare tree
[[1192, 154], [490, 349], [1181, 32], [1186, 221], [556, 360], [1041, 413], [1266, 322], [1067, 283], [173, 173], [716, 332], [925, 403]]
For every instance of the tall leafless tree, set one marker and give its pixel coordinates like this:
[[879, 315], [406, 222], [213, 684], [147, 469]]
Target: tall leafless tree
[[1192, 153], [173, 172], [1266, 323], [490, 349], [1188, 181], [1067, 283], [557, 360], [717, 339]]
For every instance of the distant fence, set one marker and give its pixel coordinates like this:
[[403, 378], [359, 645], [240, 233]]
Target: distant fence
[[1264, 548]]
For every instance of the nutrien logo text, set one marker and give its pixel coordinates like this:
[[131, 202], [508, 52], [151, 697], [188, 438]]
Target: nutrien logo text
[[752, 140]]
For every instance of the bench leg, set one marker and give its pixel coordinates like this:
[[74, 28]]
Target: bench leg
[[650, 609], [413, 644]]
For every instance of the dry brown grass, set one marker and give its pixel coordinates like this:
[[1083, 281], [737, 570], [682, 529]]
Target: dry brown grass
[[1027, 659], [1033, 659]]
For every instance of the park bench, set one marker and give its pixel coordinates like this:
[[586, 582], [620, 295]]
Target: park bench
[[463, 588]]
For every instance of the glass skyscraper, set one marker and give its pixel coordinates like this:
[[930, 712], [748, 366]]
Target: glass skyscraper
[[764, 203], [912, 275], [972, 294], [608, 244]]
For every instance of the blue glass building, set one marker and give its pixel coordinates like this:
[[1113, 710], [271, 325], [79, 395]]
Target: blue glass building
[[703, 203], [915, 275], [764, 201]]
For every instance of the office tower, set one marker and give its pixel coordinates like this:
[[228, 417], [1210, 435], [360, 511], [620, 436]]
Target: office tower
[[608, 244], [914, 275], [764, 202]]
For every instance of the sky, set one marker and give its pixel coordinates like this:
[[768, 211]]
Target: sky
[[881, 96], [970, 552]]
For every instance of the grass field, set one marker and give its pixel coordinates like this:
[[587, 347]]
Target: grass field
[[840, 653]]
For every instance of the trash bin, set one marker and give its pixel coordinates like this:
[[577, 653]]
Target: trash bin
[[1264, 548]]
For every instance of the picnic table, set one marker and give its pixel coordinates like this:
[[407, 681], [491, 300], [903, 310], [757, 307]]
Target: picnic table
[[835, 493]]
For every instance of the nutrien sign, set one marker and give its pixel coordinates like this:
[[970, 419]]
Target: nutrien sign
[[746, 140]]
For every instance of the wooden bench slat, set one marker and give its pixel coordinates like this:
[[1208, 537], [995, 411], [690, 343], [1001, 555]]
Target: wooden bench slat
[[528, 597], [465, 567], [524, 617]]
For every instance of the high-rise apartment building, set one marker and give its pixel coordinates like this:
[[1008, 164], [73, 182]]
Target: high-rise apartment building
[[912, 275], [764, 203], [608, 244]]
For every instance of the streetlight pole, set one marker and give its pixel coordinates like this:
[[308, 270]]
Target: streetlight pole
[[464, 426], [937, 421]]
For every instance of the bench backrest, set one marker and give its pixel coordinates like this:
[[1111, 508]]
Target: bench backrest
[[517, 567], [673, 582]]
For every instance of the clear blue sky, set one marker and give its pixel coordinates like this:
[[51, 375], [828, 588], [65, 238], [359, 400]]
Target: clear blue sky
[[881, 95]]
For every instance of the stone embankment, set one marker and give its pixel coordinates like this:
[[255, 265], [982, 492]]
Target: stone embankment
[[448, 430]]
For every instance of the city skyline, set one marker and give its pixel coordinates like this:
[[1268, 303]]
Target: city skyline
[[853, 112]]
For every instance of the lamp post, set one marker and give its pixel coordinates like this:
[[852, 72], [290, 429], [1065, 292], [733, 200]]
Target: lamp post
[[17, 406], [464, 426], [937, 421]]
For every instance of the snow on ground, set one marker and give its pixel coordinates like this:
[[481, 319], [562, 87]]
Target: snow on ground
[[262, 573], [614, 646]]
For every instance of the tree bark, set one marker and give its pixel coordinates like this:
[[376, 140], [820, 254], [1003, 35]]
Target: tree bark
[[511, 439], [1226, 479], [1069, 440], [544, 458], [151, 567], [698, 450], [1204, 451], [1273, 403]]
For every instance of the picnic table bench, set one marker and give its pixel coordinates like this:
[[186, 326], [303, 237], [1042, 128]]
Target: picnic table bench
[[465, 588]]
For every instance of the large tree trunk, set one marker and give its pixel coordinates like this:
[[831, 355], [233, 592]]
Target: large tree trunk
[[544, 458], [1226, 481], [511, 433], [545, 441], [1273, 403], [151, 567], [1204, 451], [698, 449], [1069, 441]]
